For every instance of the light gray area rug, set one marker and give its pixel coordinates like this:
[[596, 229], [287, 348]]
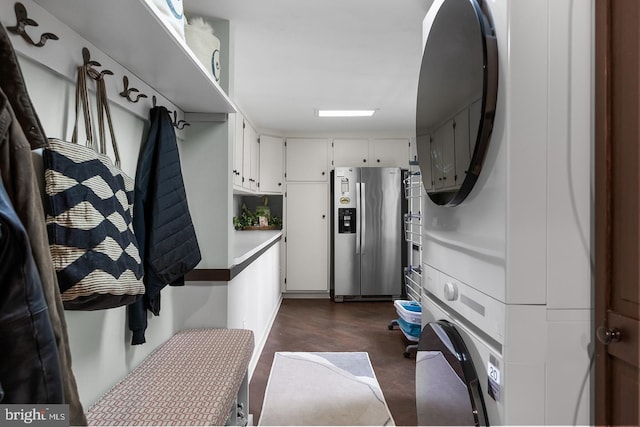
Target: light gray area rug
[[324, 388]]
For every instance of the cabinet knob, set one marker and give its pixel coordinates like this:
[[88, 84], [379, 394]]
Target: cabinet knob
[[279, 184], [378, 160], [364, 160], [323, 216], [322, 172]]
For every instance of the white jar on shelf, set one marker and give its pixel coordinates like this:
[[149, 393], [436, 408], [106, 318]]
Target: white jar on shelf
[[206, 46], [172, 14]]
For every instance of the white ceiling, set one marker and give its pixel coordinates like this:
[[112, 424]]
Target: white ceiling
[[292, 57]]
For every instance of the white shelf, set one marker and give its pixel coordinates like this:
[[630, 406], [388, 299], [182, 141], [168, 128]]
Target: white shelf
[[131, 34]]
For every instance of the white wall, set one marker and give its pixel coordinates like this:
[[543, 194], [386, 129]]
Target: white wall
[[208, 183], [100, 340]]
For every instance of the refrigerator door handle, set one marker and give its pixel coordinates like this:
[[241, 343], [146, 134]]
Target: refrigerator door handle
[[363, 216], [357, 219]]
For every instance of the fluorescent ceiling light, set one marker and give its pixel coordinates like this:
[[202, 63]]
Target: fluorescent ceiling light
[[345, 113]]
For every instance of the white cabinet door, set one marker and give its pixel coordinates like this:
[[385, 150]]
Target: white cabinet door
[[461, 137], [350, 152], [307, 236], [246, 157], [307, 159], [271, 164], [442, 157], [475, 110], [250, 156], [413, 152], [426, 165], [254, 183], [390, 153], [238, 153]]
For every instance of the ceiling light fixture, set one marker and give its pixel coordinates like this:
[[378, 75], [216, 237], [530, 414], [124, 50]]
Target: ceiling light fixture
[[345, 113]]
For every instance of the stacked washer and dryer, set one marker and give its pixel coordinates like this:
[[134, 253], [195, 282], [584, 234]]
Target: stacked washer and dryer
[[507, 220]]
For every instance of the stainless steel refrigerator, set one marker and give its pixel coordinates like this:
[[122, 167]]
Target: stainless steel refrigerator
[[367, 244]]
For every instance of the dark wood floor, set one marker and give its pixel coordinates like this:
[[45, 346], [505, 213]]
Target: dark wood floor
[[322, 325]]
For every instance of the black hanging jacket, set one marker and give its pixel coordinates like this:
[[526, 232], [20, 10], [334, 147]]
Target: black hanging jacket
[[21, 132], [161, 220], [29, 364]]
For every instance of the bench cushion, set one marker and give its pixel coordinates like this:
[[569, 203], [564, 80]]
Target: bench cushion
[[192, 379]]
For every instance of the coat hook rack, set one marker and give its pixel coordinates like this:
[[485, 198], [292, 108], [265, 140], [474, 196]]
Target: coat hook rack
[[90, 63], [22, 21], [127, 91], [179, 124]]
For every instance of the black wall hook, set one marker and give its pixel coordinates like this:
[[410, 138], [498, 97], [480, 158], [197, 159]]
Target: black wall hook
[[90, 63], [127, 91], [179, 124], [22, 21]]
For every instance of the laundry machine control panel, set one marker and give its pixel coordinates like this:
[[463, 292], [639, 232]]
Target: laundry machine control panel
[[487, 313]]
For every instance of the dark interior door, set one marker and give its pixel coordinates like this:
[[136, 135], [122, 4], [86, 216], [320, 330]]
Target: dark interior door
[[617, 212]]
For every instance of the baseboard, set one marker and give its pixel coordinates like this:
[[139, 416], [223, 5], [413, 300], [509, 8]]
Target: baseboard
[[260, 345], [310, 295]]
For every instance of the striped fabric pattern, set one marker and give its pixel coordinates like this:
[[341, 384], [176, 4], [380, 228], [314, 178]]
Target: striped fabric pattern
[[89, 222]]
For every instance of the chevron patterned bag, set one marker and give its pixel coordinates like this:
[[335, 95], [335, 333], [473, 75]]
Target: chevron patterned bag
[[89, 214]]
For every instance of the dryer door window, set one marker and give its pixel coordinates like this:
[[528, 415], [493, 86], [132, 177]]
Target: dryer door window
[[447, 388]]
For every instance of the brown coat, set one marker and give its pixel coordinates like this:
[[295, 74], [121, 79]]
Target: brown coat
[[19, 178]]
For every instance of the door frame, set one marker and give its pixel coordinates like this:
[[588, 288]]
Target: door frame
[[617, 197]]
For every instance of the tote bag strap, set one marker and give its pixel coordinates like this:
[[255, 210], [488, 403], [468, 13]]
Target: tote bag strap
[[82, 102], [104, 110]]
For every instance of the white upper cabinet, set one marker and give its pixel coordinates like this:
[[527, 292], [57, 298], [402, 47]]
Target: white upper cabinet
[[426, 168], [307, 159], [413, 152], [271, 164], [251, 158], [461, 142], [475, 110], [238, 150], [255, 159], [442, 157], [131, 34], [375, 152], [350, 152], [390, 153]]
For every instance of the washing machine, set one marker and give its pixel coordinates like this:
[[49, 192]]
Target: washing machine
[[458, 370], [530, 363]]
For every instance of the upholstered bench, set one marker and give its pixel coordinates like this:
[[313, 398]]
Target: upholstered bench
[[194, 378]]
